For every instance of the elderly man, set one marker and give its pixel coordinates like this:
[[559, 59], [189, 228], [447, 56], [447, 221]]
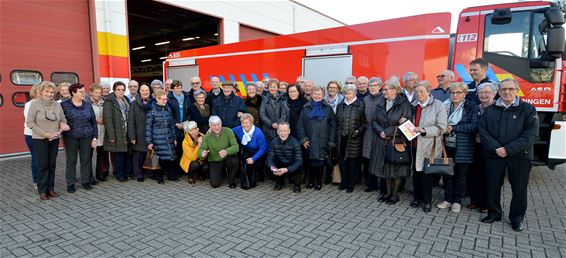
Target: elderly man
[[350, 80], [307, 89], [265, 85], [508, 130], [229, 107], [215, 91], [445, 78], [409, 81], [220, 148], [478, 72], [285, 158], [167, 85], [362, 87], [196, 84], [156, 85], [300, 81], [133, 87]]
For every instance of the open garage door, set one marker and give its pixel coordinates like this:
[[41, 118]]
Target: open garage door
[[321, 70], [156, 29]]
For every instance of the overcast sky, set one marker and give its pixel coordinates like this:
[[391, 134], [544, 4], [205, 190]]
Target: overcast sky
[[361, 11]]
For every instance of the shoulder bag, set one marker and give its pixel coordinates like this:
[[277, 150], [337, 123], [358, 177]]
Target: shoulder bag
[[397, 153], [439, 166]]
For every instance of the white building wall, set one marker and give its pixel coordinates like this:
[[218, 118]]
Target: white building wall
[[281, 17]]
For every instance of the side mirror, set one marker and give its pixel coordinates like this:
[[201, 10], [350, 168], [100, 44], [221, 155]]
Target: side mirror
[[554, 16], [501, 16], [555, 41]]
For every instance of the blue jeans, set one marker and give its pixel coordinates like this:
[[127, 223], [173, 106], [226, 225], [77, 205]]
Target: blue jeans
[[29, 143]]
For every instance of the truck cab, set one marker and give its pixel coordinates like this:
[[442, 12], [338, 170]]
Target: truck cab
[[523, 41]]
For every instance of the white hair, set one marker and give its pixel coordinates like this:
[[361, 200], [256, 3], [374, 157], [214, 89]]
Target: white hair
[[214, 120], [189, 125]]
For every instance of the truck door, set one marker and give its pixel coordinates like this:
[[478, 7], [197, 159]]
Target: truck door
[[183, 74], [327, 68]]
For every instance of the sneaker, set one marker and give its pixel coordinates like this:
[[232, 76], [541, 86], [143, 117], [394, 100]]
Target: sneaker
[[444, 205], [35, 186], [456, 207]]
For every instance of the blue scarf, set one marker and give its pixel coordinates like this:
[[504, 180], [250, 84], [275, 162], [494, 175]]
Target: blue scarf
[[316, 113]]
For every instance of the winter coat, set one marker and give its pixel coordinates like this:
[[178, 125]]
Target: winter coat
[[386, 122], [434, 121], [190, 152], [114, 125], [257, 146], [465, 132], [253, 105], [320, 134], [136, 122], [161, 132], [514, 128], [195, 115], [295, 107], [286, 153], [227, 109], [370, 103], [350, 121], [273, 110], [175, 109]]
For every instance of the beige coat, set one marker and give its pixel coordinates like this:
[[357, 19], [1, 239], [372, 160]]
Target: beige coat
[[434, 120]]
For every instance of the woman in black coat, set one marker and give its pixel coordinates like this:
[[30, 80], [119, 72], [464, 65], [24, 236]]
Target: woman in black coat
[[253, 103], [392, 109], [317, 132], [350, 122], [295, 102], [463, 118], [200, 111], [136, 128]]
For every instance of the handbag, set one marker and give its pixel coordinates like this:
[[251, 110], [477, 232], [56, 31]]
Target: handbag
[[439, 166], [247, 180], [397, 153], [336, 177], [151, 161]]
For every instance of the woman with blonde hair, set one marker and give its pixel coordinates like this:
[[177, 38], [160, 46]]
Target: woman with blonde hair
[[34, 93]]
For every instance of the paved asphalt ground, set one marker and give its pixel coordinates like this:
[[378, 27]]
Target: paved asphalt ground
[[177, 220]]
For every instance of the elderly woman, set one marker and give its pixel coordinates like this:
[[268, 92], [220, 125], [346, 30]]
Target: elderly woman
[[63, 92], [295, 103], [334, 95], [160, 135], [430, 120], [317, 133], [350, 122], [273, 110], [190, 163], [200, 111], [46, 120], [253, 103], [283, 87], [34, 93], [105, 89], [392, 109], [370, 102], [116, 110], [141, 105], [81, 137], [463, 117], [220, 147], [102, 162], [477, 179], [254, 148]]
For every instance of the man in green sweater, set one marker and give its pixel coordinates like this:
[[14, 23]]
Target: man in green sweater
[[220, 147]]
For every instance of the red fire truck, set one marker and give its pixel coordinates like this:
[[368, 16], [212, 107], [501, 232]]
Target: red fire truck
[[523, 40]]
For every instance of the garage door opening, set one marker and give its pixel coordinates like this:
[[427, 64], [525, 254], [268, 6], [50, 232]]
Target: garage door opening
[[156, 29]]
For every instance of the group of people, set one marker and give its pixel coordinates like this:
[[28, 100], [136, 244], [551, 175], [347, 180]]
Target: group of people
[[300, 133]]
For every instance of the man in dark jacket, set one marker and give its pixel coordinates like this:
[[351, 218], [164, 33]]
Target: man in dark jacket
[[285, 158], [229, 107], [478, 72], [508, 131]]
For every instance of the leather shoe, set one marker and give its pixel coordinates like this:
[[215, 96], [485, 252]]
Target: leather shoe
[[490, 219], [327, 181], [349, 190], [232, 186], [341, 188], [140, 179], [277, 187], [415, 203], [52, 194], [310, 186], [518, 227], [43, 197], [87, 186], [317, 187], [383, 198], [369, 189], [71, 189], [392, 200], [297, 189], [427, 207]]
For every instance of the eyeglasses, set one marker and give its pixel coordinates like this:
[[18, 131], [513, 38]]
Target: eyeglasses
[[374, 85], [507, 89], [163, 99], [456, 92], [132, 86], [195, 83], [120, 89], [440, 76]]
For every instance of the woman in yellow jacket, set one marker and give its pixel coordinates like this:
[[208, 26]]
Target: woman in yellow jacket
[[190, 163]]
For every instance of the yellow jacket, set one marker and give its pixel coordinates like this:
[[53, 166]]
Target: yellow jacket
[[190, 152]]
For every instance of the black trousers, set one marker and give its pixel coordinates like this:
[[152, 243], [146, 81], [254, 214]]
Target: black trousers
[[102, 163], [422, 185], [518, 174], [371, 180], [138, 159], [296, 178], [46, 158], [477, 179], [217, 169], [349, 169], [315, 172], [168, 167], [80, 146]]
